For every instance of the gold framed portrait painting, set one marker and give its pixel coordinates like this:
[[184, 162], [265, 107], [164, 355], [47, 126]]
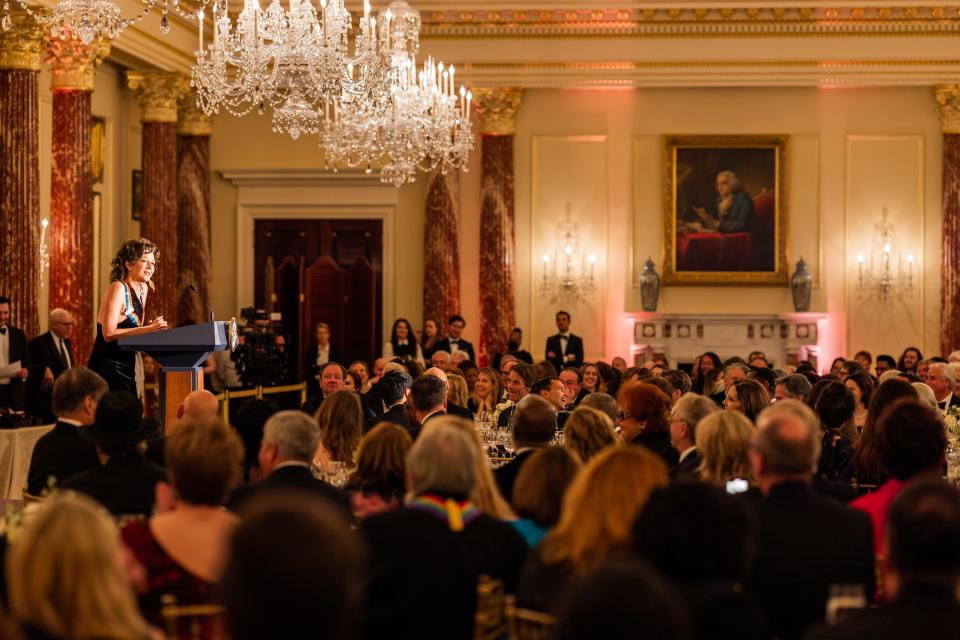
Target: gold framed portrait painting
[[725, 220]]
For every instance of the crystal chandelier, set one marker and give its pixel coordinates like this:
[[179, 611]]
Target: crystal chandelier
[[886, 274], [425, 125], [568, 275], [85, 20]]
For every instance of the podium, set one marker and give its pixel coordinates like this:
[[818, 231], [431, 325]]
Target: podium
[[181, 354]]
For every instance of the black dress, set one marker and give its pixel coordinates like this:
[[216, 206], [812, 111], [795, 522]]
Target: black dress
[[116, 366]]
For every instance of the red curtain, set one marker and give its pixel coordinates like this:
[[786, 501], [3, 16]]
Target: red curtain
[[950, 265]]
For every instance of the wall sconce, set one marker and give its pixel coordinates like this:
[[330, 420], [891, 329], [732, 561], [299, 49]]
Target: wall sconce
[[568, 275], [44, 252], [886, 274]]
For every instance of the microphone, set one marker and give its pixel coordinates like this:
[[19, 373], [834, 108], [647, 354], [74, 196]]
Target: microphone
[[193, 288]]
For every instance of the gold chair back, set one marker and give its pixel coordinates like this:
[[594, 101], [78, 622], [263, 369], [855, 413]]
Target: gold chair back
[[489, 620], [29, 498], [199, 621], [525, 624]]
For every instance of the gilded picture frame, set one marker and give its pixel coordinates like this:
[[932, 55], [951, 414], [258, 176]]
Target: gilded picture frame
[[725, 218]]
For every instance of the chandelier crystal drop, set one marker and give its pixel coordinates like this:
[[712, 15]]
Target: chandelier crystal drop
[[84, 20]]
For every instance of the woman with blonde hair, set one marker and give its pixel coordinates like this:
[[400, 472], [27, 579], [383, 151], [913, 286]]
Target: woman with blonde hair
[[379, 481], [457, 393], [341, 425], [588, 431], [487, 392], [66, 575], [598, 512], [486, 496], [723, 440]]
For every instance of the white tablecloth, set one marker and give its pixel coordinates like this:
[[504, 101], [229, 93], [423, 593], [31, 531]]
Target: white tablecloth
[[16, 447]]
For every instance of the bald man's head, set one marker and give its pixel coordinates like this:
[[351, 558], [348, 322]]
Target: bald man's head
[[199, 404], [787, 441], [436, 372]]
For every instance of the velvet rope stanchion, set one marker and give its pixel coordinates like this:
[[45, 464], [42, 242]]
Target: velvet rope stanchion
[[441, 268]]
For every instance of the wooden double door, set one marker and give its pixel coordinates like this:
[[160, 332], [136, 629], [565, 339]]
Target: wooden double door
[[322, 271]]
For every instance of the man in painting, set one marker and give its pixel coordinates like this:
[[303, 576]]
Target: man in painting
[[734, 211]]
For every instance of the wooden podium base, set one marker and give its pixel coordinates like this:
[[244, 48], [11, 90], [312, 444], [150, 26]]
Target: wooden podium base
[[174, 387]]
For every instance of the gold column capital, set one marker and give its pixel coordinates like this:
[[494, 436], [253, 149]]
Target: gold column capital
[[22, 46], [73, 64], [158, 93], [948, 106], [497, 108], [191, 120]]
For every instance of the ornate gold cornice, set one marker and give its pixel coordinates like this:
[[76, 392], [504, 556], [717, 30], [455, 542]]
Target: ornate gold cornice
[[22, 46], [948, 106], [158, 93], [497, 108], [191, 120], [73, 64], [746, 20]]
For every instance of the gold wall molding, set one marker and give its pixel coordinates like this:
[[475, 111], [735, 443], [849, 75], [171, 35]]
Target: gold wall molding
[[73, 64], [948, 107], [191, 120], [719, 21], [22, 46], [497, 108], [158, 93]]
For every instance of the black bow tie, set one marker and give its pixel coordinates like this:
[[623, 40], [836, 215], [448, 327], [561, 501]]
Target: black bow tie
[[942, 405], [3, 331], [452, 341]]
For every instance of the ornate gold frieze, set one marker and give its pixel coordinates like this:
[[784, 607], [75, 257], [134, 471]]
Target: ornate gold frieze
[[749, 21], [73, 64], [948, 106], [158, 93], [191, 120], [497, 108], [22, 46]]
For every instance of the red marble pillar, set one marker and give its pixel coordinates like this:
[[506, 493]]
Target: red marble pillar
[[441, 268], [948, 101], [497, 109], [72, 268], [193, 210], [20, 60], [158, 93]]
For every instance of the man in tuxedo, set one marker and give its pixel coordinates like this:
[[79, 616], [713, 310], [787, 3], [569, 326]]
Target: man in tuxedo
[[518, 384], [51, 354], [564, 349], [922, 574], [942, 378], [125, 481], [453, 341], [63, 452], [795, 565], [572, 379], [688, 411], [290, 440], [332, 376], [429, 397], [533, 425], [451, 408], [318, 355], [392, 391], [553, 391], [13, 350]]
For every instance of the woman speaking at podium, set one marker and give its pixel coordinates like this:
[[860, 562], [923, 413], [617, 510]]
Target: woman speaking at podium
[[121, 314]]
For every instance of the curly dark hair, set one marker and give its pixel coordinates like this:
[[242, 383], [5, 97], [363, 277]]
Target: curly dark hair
[[130, 251]]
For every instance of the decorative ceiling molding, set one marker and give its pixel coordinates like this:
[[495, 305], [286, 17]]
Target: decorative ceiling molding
[[745, 20], [714, 73]]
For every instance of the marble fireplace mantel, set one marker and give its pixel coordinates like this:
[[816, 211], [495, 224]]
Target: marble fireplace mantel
[[784, 338]]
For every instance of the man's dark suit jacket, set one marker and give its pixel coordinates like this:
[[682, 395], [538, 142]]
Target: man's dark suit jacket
[[460, 412], [574, 347], [423, 580], [18, 351], [396, 415], [687, 468], [296, 478], [44, 353], [920, 611], [443, 344], [61, 453], [804, 544], [506, 475], [310, 368], [125, 485]]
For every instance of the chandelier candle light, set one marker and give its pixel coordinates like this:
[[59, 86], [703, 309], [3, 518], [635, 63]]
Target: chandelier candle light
[[886, 275]]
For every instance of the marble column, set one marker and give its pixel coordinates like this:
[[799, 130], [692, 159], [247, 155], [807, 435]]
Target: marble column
[[21, 51], [441, 252], [193, 209], [497, 109], [72, 263], [948, 104], [159, 93]]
